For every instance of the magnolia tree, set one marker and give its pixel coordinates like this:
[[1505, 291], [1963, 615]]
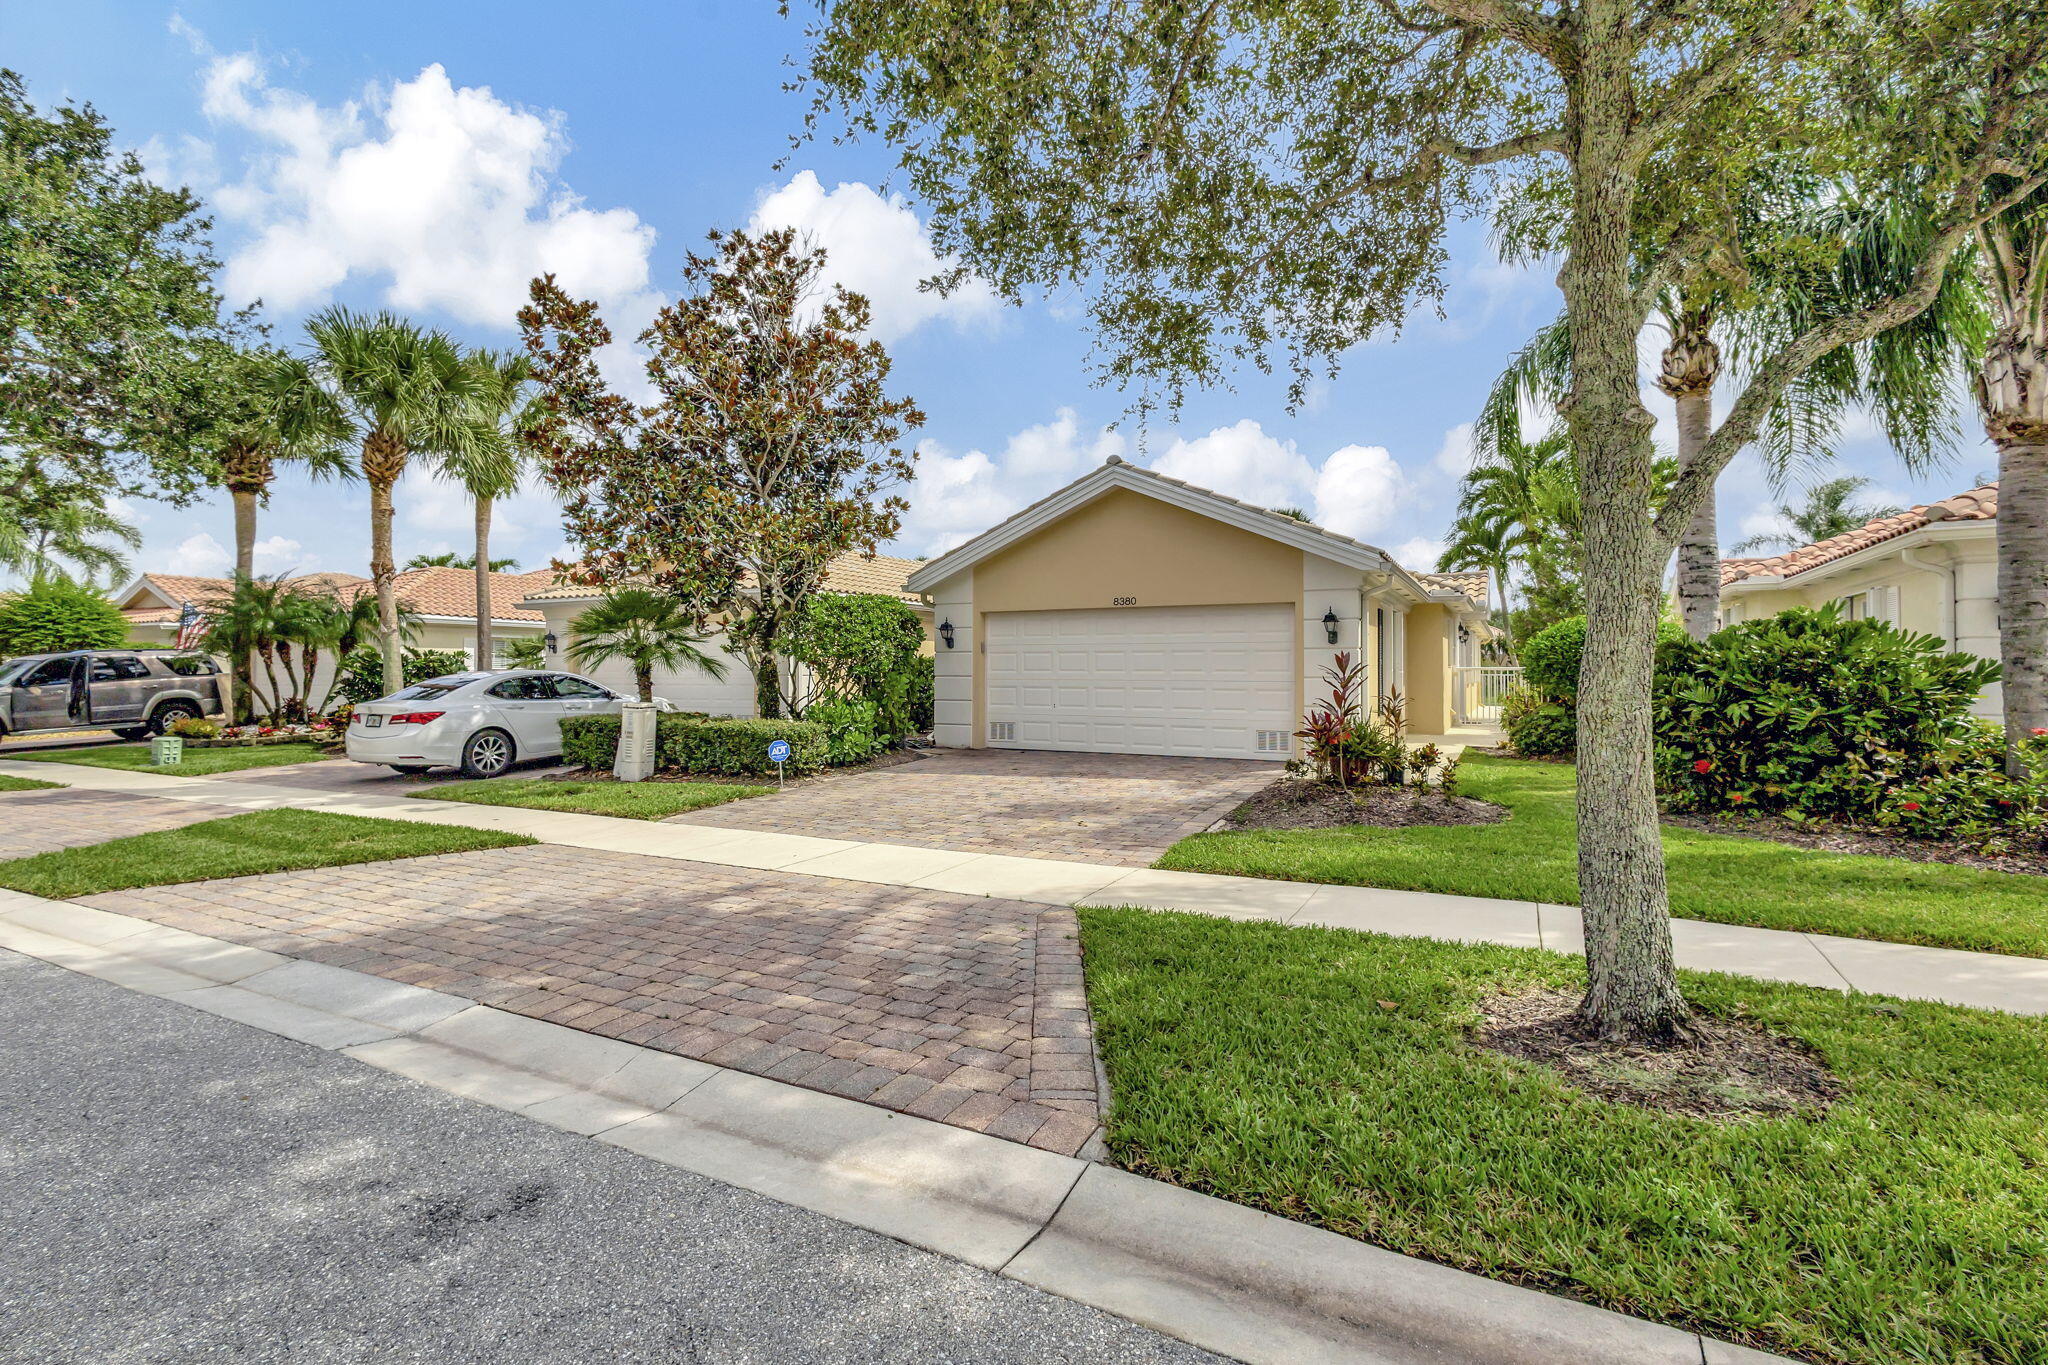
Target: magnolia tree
[[1229, 179], [768, 450]]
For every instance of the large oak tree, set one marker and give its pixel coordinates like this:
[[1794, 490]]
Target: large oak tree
[[1238, 178]]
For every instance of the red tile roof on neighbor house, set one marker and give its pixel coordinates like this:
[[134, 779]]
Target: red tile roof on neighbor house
[[852, 572], [430, 592], [1978, 504]]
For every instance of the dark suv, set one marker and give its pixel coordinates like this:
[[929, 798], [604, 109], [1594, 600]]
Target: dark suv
[[133, 692]]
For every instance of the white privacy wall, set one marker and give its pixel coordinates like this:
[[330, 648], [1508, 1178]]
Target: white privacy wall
[[690, 689]]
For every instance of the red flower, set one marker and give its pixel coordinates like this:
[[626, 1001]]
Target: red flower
[[1703, 766], [1737, 797], [1910, 805], [2003, 802], [2041, 730]]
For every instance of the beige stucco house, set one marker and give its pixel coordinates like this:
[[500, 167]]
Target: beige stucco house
[[1130, 612], [1931, 569]]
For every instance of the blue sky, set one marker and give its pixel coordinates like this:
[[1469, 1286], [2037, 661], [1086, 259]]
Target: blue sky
[[431, 158]]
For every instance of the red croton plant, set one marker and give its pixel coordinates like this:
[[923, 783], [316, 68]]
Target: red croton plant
[[1330, 723]]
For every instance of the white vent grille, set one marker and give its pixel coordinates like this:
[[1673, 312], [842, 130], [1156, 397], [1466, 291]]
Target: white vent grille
[[1271, 741], [1002, 732]]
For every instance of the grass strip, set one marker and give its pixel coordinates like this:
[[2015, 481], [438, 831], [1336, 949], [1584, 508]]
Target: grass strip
[[25, 784], [239, 846], [1324, 1075], [197, 762], [1724, 878], [629, 800]]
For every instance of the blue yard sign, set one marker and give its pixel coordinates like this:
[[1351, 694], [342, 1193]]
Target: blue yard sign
[[778, 752]]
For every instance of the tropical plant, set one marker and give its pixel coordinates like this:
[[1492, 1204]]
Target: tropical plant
[[54, 526], [525, 652], [256, 618], [361, 678], [647, 629], [404, 390], [489, 468], [853, 732], [1551, 658], [1537, 727], [55, 614], [449, 559], [1228, 183], [1518, 508], [861, 647], [1829, 510], [770, 451], [273, 410]]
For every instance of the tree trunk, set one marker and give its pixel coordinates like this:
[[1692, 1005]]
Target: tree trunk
[[1632, 985], [1691, 365], [643, 679], [483, 583], [2023, 582], [383, 463], [245, 496]]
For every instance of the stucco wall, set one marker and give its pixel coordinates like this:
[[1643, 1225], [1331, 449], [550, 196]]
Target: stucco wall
[[1432, 636]]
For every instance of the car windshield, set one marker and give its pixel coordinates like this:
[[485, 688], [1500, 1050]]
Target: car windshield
[[428, 690], [13, 669]]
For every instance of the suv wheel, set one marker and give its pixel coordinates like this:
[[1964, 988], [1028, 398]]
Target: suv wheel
[[169, 714], [487, 754]]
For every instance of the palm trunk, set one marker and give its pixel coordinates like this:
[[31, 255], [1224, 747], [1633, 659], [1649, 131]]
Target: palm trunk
[[2023, 583], [383, 463], [643, 679], [1632, 985], [245, 496], [1692, 362], [483, 583]]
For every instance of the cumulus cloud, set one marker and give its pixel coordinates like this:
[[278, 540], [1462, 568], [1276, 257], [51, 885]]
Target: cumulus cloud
[[1358, 490], [874, 246], [957, 496], [1419, 553], [1241, 461], [1457, 454], [280, 554], [199, 556], [437, 514], [447, 193]]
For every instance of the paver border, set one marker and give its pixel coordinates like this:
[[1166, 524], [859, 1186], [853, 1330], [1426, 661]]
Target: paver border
[[1219, 1275]]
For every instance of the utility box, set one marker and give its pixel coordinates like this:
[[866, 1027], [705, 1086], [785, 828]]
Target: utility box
[[166, 749], [635, 762]]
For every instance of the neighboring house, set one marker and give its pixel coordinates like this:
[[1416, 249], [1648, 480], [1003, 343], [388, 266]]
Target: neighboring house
[[1932, 570], [155, 604], [560, 603], [1130, 612]]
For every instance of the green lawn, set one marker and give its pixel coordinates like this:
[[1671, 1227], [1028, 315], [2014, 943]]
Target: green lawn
[[633, 800], [238, 846], [25, 784], [1259, 1063], [1530, 856], [198, 762]]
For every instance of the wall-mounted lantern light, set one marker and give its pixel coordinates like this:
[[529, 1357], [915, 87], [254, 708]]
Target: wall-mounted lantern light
[[946, 633], [1330, 624], [548, 642]]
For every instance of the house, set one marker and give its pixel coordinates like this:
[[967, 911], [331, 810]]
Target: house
[[1130, 612], [1932, 570], [155, 604], [560, 603]]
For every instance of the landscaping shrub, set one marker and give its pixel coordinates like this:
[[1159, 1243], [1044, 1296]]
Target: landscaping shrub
[[1537, 728], [1809, 713], [361, 677], [850, 733], [866, 647], [195, 727], [920, 693], [55, 614], [1551, 657], [691, 743], [592, 741]]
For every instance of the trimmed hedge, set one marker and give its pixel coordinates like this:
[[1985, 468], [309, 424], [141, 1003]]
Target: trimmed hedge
[[691, 743]]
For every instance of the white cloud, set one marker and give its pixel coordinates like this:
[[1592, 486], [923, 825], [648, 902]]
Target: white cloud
[[437, 514], [1241, 461], [955, 497], [199, 556], [279, 554], [1457, 454], [446, 193], [1358, 491], [1420, 553], [873, 246]]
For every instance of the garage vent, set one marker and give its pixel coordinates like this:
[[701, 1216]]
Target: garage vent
[[1271, 742], [1002, 732]]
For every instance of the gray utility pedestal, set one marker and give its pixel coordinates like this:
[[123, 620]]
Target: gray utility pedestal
[[635, 762]]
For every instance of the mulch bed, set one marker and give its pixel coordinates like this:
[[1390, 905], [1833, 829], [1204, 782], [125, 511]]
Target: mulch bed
[[1725, 1071], [1829, 837], [1297, 803]]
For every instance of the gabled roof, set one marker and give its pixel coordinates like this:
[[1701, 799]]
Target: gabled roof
[[853, 572], [1114, 473], [1977, 504]]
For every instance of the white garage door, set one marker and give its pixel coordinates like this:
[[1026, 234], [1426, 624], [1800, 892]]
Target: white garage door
[[1211, 682]]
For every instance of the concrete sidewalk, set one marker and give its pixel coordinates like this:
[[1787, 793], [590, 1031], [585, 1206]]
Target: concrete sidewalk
[[2018, 985], [1214, 1274]]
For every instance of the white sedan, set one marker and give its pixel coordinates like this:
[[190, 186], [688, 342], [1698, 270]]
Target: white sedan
[[482, 723]]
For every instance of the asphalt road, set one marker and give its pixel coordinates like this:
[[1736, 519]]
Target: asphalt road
[[175, 1188]]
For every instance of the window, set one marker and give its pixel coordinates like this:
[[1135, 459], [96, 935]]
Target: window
[[120, 668], [427, 691], [1855, 606], [567, 686], [49, 673], [525, 687], [192, 666], [500, 658]]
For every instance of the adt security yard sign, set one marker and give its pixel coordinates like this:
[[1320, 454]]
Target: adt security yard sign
[[778, 754]]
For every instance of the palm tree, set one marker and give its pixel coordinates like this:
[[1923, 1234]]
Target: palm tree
[[250, 620], [47, 525], [405, 391], [647, 629], [1484, 544], [448, 559], [275, 411], [353, 625], [1828, 511], [489, 468]]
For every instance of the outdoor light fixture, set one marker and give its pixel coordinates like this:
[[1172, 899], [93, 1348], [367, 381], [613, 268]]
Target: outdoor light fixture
[[1330, 624], [548, 641], [946, 633]]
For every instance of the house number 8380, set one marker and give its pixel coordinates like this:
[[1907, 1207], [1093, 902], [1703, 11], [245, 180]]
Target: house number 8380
[[1123, 601]]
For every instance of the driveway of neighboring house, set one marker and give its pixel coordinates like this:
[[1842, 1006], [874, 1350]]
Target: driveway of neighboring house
[[345, 775], [1119, 809], [963, 1009], [39, 821]]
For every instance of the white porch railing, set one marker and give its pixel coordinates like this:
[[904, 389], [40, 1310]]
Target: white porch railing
[[1478, 692]]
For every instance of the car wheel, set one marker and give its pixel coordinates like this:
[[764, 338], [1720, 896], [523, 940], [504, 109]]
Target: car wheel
[[488, 753], [408, 769], [169, 714]]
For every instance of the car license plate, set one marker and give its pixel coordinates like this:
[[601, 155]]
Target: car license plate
[[372, 722]]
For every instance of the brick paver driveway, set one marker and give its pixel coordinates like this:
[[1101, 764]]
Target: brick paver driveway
[[39, 821], [958, 1008], [1105, 808]]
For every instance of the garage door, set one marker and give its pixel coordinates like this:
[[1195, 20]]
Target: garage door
[[1211, 682]]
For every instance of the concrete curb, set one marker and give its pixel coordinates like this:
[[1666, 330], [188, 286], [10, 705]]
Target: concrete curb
[[1219, 1275]]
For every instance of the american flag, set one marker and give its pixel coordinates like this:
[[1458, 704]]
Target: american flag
[[191, 624]]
